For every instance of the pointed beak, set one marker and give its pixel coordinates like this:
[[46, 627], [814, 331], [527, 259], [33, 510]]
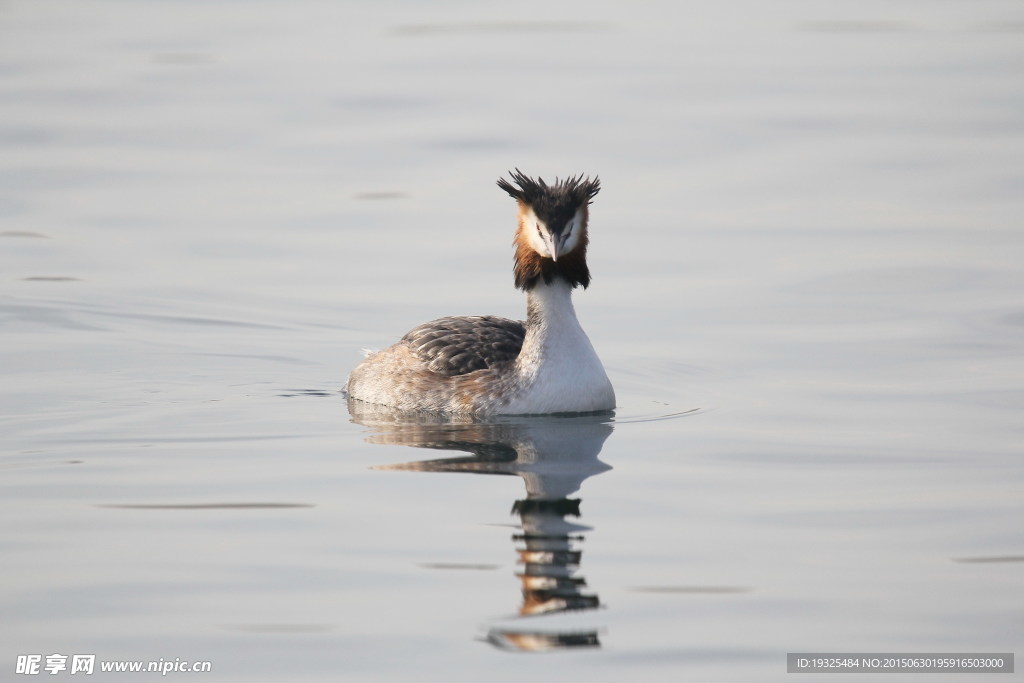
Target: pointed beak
[[551, 242]]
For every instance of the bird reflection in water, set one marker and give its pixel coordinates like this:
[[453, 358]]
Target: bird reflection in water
[[553, 455]]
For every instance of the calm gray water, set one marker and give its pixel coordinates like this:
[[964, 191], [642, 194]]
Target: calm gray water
[[807, 290]]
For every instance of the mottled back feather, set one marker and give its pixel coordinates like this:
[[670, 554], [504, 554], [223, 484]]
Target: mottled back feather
[[457, 345]]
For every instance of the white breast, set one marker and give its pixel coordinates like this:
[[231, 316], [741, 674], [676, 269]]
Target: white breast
[[558, 369]]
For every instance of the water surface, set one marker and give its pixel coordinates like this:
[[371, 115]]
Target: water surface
[[807, 292]]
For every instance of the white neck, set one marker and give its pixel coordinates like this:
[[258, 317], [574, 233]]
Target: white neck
[[549, 307], [558, 367]]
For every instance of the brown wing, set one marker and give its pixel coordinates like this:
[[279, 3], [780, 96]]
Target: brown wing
[[460, 344]]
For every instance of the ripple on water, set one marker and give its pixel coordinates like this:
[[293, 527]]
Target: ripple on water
[[204, 506]]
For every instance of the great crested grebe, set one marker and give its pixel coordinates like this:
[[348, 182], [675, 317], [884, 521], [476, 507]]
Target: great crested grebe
[[491, 365]]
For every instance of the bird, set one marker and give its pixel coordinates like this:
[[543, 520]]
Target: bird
[[489, 365]]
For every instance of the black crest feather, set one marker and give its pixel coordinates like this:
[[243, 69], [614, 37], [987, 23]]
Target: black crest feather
[[556, 203]]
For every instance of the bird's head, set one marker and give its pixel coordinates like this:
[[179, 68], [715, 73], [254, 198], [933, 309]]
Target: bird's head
[[552, 236]]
